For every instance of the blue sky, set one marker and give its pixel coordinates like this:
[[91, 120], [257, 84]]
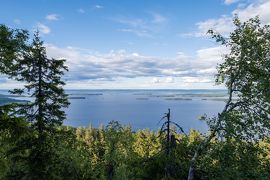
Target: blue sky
[[132, 43]]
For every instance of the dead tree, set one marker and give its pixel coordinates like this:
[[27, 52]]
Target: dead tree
[[166, 129]]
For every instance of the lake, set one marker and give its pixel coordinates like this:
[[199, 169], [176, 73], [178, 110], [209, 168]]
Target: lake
[[141, 108]]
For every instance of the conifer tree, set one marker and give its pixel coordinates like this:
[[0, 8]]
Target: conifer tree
[[45, 113]]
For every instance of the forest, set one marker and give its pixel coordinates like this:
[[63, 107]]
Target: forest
[[34, 143]]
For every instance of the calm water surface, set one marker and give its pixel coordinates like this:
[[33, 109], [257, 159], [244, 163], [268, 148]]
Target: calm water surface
[[141, 108]]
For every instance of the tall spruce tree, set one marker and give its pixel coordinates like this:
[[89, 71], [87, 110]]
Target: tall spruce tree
[[42, 76], [45, 113]]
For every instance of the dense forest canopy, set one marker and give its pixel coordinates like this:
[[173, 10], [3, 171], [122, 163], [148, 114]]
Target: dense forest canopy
[[35, 145]]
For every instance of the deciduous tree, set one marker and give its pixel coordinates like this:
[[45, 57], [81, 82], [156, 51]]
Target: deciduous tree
[[246, 74]]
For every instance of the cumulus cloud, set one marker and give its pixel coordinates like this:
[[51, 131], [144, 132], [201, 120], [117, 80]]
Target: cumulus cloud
[[261, 9], [224, 24], [52, 17], [43, 28], [88, 66], [155, 80], [221, 25], [163, 80], [169, 79], [121, 69]]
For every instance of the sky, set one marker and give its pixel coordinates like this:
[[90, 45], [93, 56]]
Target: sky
[[132, 44]]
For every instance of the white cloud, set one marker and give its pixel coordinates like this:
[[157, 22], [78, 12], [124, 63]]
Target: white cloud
[[228, 2], [188, 79], [144, 83], [43, 28], [261, 9], [140, 33], [120, 69], [169, 79], [224, 24], [95, 68], [142, 27], [212, 55], [131, 22], [52, 17], [99, 6], [182, 55], [221, 25], [155, 80], [9, 84], [135, 54]]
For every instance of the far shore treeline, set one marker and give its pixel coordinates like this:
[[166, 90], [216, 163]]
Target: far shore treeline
[[34, 143]]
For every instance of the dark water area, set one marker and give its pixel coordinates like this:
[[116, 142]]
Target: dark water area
[[141, 109]]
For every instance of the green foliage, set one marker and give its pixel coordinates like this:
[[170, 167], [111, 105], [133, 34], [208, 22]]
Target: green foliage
[[245, 72], [227, 159], [233, 160], [12, 46], [43, 82], [34, 151], [146, 143], [91, 153], [45, 113], [35, 145]]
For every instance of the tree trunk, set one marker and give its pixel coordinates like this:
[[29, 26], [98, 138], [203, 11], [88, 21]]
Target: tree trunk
[[40, 128], [206, 141]]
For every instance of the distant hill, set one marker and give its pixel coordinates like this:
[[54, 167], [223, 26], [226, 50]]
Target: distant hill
[[6, 100]]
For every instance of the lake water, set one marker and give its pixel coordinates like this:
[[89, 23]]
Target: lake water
[[142, 108]]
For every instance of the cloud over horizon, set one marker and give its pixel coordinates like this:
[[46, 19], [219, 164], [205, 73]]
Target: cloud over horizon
[[143, 37], [91, 67]]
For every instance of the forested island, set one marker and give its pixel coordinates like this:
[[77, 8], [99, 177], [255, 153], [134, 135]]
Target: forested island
[[34, 143]]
